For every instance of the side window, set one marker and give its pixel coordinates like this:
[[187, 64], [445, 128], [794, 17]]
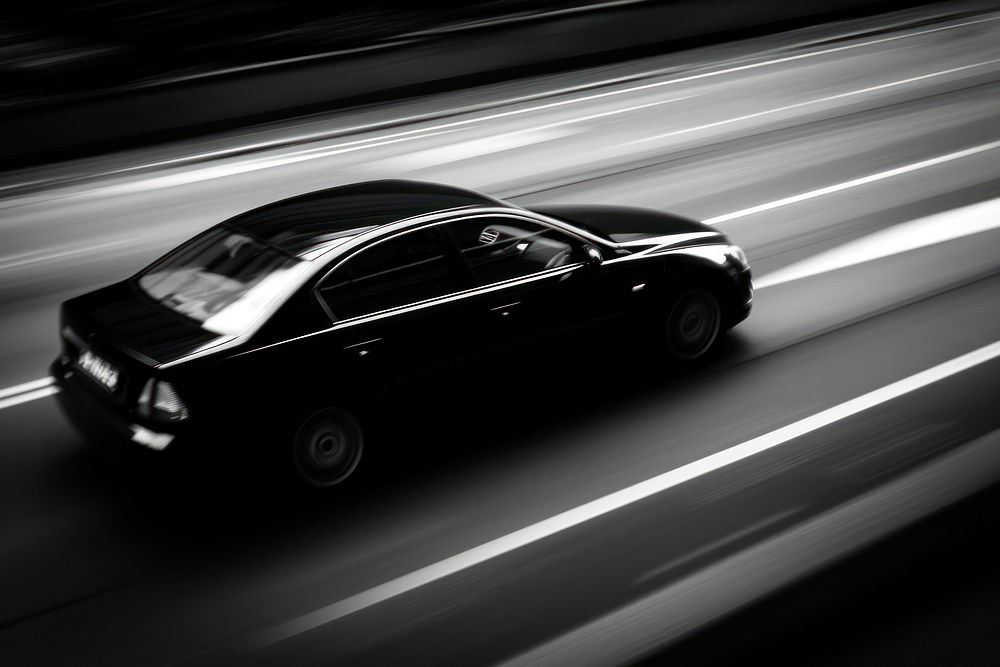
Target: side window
[[402, 270], [504, 248]]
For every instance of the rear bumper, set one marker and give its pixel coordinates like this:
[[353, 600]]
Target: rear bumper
[[105, 427]]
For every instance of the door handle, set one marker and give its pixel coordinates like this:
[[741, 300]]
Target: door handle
[[504, 310], [363, 348]]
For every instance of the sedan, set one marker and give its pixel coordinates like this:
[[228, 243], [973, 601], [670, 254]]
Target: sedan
[[276, 333]]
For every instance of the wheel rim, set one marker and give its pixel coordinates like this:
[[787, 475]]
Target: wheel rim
[[328, 447], [694, 324]]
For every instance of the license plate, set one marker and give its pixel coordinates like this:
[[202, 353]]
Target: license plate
[[101, 370]]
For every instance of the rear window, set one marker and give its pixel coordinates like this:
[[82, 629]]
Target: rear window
[[223, 279]]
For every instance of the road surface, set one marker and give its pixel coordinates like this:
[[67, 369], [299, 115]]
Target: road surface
[[601, 518]]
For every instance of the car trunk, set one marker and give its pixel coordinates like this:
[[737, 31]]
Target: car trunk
[[117, 316]]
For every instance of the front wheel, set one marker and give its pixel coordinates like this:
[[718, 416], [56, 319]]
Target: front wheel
[[694, 324], [327, 447]]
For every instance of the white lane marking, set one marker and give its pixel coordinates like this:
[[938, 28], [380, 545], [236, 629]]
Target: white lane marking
[[894, 240], [631, 632], [465, 150], [619, 499], [818, 100], [47, 254], [369, 127], [847, 185], [29, 396], [26, 387]]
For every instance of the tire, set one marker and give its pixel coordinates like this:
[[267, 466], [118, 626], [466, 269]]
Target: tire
[[327, 447], [694, 324]]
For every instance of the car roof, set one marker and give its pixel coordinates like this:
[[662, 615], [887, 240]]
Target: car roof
[[304, 223]]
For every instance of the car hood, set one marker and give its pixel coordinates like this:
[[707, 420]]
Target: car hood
[[629, 225], [120, 317]]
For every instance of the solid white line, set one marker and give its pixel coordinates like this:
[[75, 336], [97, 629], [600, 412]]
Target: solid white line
[[846, 185], [30, 396], [619, 499], [818, 100], [894, 240], [26, 387], [367, 127], [631, 631]]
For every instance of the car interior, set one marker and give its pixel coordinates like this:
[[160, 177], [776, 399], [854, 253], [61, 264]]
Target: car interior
[[503, 252]]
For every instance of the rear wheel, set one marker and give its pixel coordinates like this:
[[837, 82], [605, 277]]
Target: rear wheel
[[327, 447], [694, 324]]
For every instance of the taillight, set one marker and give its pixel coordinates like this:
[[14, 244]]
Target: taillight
[[159, 400]]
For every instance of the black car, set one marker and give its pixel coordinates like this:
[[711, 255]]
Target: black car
[[279, 328]]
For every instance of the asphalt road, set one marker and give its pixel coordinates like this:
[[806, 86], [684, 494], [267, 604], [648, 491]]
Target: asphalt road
[[601, 514]]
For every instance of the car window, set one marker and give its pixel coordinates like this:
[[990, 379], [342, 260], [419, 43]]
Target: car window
[[501, 248], [401, 270], [224, 280]]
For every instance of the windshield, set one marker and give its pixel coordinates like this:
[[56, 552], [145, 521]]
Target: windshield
[[223, 279]]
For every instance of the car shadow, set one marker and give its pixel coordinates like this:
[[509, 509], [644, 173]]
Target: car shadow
[[434, 431]]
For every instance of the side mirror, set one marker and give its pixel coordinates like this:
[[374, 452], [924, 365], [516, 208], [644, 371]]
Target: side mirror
[[594, 256]]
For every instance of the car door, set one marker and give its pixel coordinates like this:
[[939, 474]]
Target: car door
[[533, 278], [393, 316]]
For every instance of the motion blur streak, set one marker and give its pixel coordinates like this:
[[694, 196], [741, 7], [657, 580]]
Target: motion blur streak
[[904, 237], [357, 129], [353, 146], [907, 236], [818, 100], [111, 564], [247, 166], [619, 499], [628, 633], [47, 256], [847, 185]]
